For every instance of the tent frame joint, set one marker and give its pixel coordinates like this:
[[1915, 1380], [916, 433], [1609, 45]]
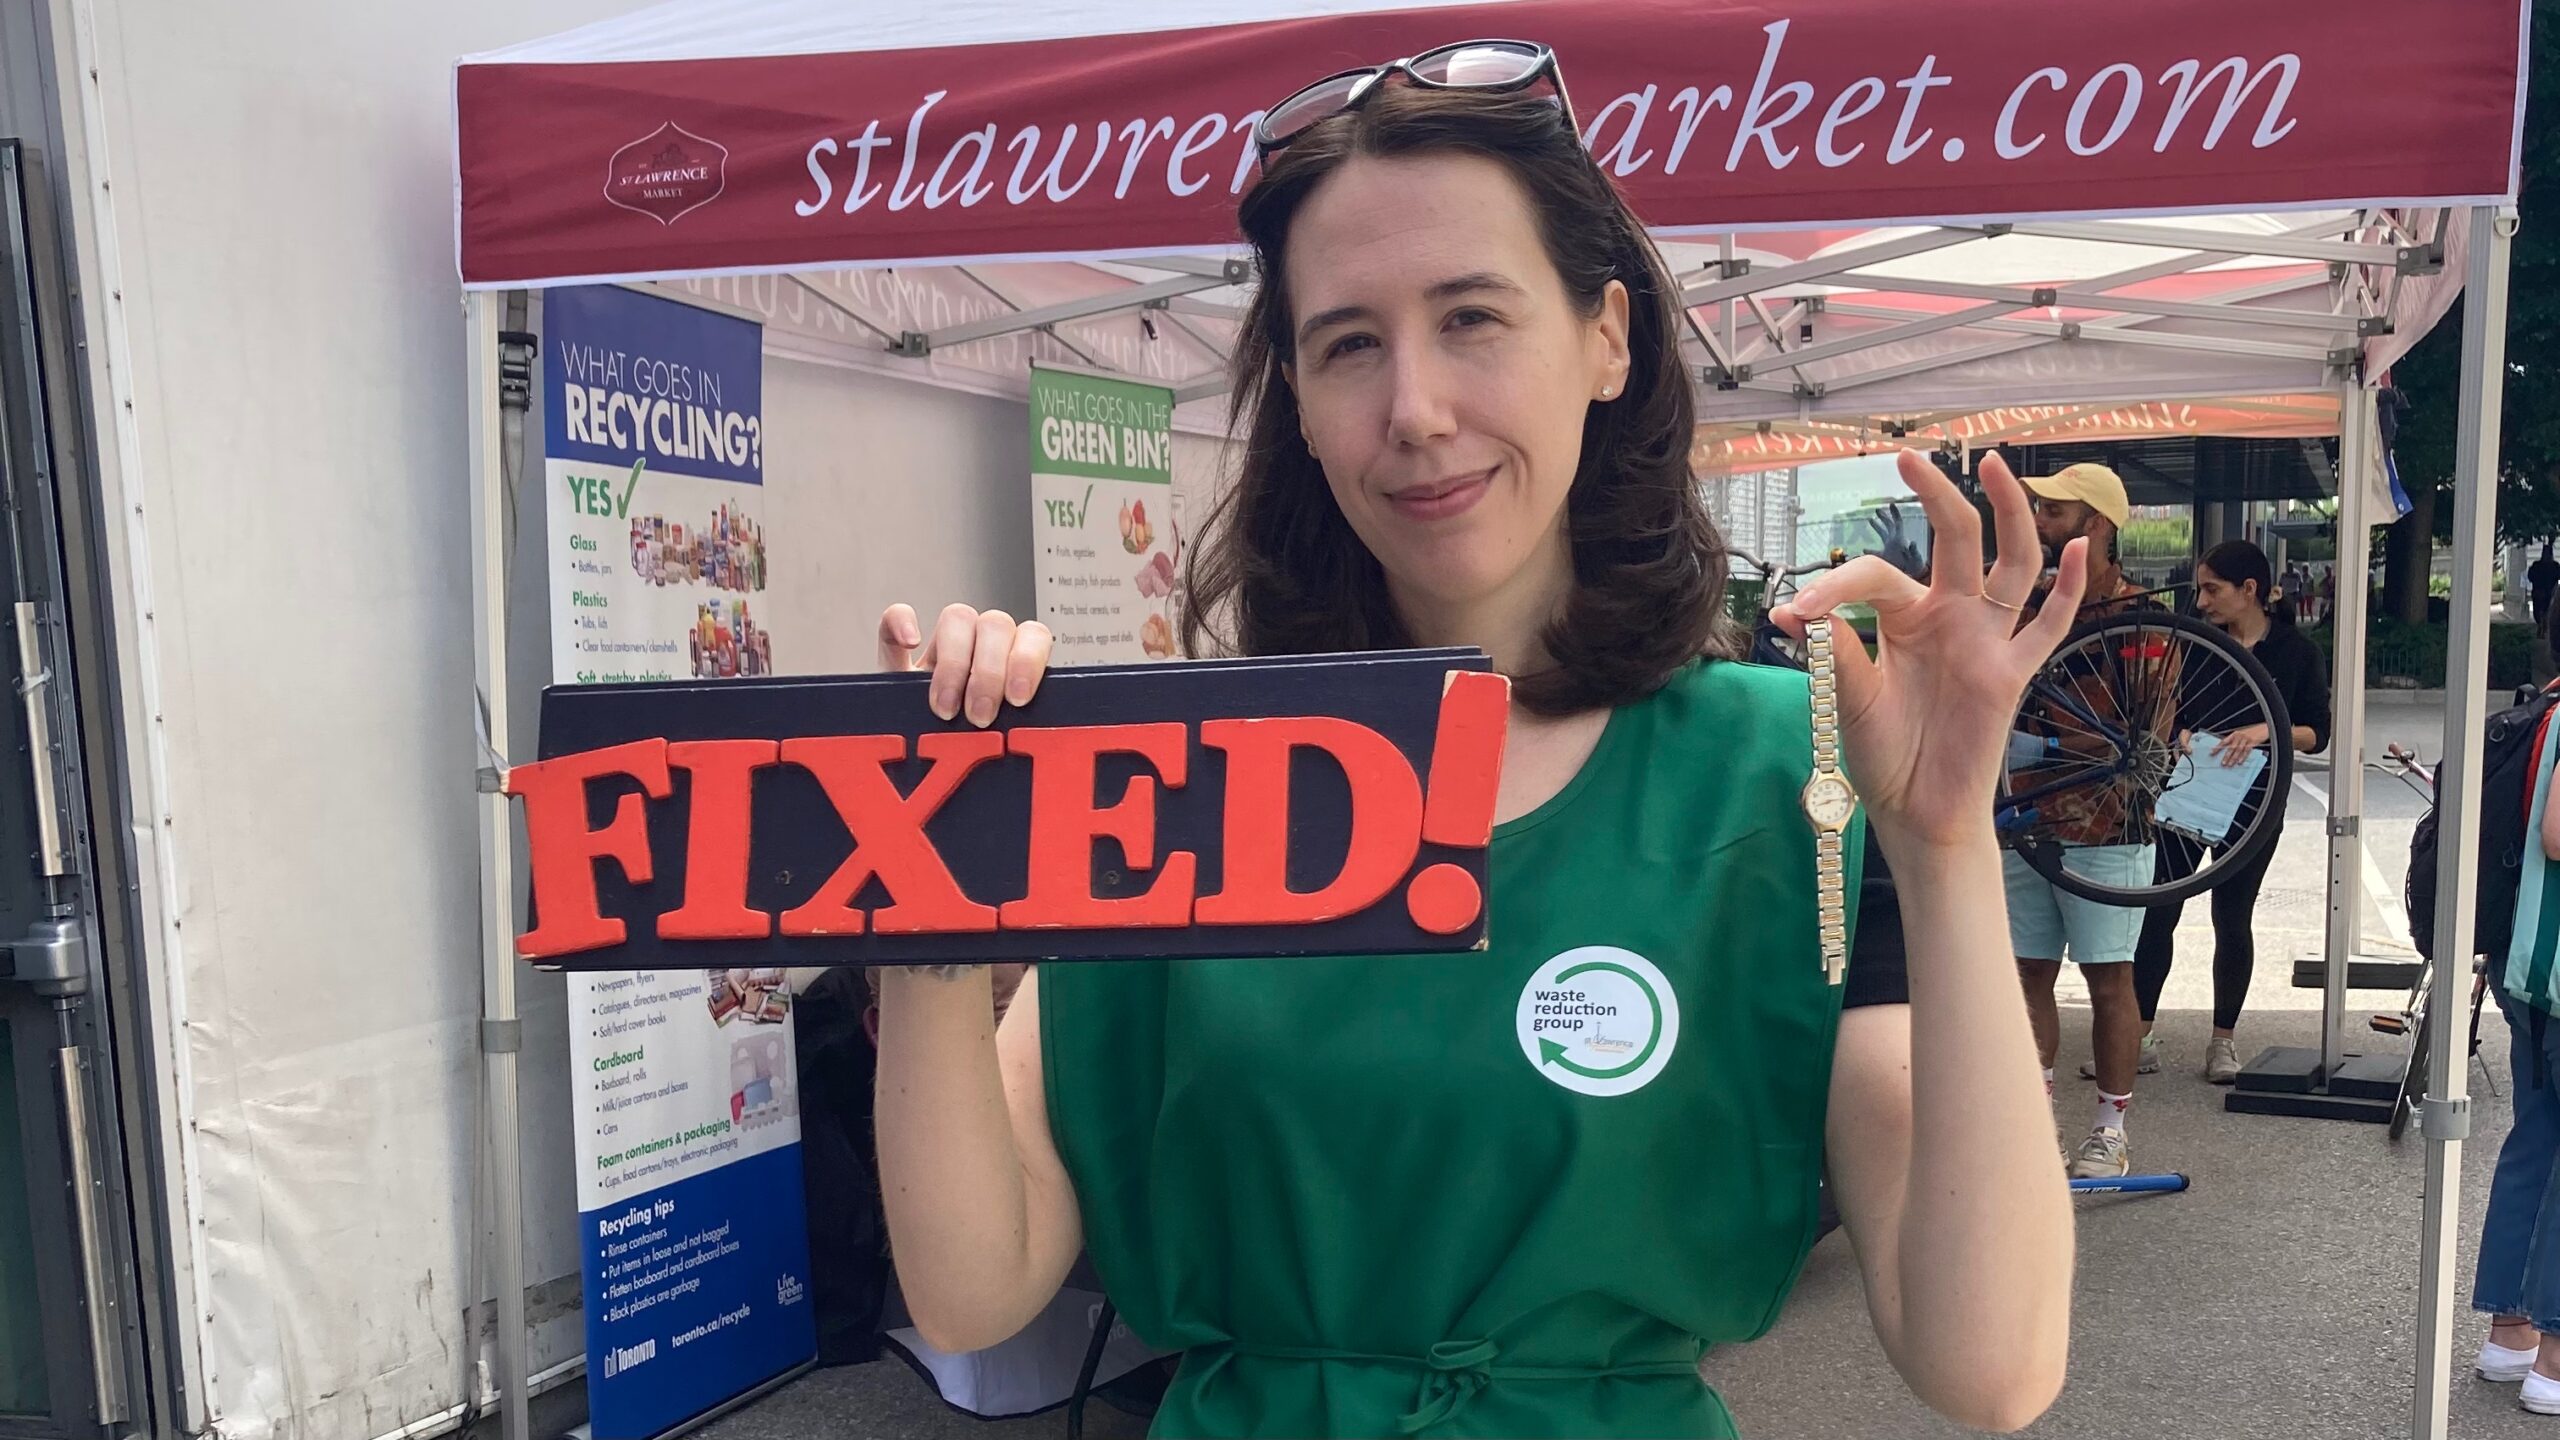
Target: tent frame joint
[[2425, 259], [2442, 1119]]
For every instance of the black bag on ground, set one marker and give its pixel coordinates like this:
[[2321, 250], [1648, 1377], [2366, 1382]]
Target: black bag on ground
[[848, 1234], [2506, 790]]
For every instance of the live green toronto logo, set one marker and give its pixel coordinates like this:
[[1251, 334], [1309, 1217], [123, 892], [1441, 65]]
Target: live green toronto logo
[[1599, 1020]]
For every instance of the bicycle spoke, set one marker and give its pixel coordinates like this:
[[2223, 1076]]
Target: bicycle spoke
[[2221, 722], [2072, 726]]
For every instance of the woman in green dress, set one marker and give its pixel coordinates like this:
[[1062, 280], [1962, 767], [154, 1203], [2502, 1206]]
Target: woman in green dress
[[1519, 1191]]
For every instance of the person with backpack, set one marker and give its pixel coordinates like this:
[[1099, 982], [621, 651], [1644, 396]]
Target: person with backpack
[[2518, 1278], [2234, 592]]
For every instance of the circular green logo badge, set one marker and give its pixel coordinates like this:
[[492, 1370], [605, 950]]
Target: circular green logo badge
[[1599, 1020]]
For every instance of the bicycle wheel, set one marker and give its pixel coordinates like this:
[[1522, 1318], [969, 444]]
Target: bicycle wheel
[[2121, 802]]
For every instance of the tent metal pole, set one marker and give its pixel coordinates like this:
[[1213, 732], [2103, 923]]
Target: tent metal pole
[[2346, 735], [1908, 328], [2446, 1118], [1865, 257], [1724, 248], [500, 1030], [2092, 297], [2121, 330], [2116, 232], [1137, 297]]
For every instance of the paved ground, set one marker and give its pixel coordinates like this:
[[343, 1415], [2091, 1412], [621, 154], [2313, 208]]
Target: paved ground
[[2276, 1298]]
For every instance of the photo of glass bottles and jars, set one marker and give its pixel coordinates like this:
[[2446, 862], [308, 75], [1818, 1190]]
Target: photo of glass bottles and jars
[[726, 554]]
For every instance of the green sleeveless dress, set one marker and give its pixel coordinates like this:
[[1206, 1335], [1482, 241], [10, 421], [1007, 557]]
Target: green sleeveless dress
[[1515, 1192]]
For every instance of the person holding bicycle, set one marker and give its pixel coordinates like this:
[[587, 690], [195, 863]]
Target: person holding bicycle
[[2083, 504], [2232, 592], [1365, 1195]]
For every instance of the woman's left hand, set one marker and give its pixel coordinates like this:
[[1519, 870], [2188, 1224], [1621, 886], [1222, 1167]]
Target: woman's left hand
[[2236, 746], [1927, 720]]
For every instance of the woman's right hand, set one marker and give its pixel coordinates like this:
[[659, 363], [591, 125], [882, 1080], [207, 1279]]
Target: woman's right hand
[[981, 660]]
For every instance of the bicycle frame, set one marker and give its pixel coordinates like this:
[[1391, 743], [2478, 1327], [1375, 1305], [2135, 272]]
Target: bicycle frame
[[1772, 574]]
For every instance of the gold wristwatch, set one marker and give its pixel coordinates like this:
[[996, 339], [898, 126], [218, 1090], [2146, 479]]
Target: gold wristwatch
[[1829, 800]]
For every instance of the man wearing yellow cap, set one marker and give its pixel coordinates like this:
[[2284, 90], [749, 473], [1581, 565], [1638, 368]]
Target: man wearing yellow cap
[[2045, 923]]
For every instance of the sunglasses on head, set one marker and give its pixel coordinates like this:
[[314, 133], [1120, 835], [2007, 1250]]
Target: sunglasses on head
[[1493, 67]]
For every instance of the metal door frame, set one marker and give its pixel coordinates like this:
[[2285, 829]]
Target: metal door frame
[[49, 98], [66, 1354], [44, 332], [84, 1146]]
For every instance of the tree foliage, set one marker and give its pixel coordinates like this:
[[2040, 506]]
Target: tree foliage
[[2430, 376]]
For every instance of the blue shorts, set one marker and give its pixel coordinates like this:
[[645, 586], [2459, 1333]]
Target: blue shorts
[[2046, 923]]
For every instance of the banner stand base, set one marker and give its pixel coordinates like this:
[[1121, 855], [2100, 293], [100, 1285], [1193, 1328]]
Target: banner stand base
[[717, 1412], [2286, 1080]]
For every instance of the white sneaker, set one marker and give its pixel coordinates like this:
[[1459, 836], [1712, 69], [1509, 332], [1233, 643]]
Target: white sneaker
[[2149, 1064], [2221, 1061], [2104, 1156], [2541, 1393], [2503, 1365]]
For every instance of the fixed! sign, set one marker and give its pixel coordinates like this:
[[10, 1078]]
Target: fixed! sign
[[1306, 806]]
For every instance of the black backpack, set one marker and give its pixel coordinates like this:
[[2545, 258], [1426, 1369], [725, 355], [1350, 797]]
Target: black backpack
[[2506, 793]]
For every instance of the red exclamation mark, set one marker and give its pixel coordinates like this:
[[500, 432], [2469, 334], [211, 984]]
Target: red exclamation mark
[[1457, 810]]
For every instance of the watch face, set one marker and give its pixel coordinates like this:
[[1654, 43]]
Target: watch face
[[1828, 802]]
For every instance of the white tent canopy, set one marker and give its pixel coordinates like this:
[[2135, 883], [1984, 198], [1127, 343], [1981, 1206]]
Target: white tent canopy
[[1805, 354], [2015, 221]]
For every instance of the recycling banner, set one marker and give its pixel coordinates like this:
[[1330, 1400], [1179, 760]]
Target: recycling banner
[[1106, 541]]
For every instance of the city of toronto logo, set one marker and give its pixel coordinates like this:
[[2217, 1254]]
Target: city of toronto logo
[[668, 174]]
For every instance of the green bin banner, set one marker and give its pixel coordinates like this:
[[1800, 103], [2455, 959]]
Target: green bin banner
[[1105, 538]]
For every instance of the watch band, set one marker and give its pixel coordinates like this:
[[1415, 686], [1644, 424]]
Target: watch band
[[1831, 879], [1834, 905], [1826, 704]]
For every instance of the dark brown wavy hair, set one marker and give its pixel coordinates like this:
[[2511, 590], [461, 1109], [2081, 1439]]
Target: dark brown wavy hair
[[1279, 571]]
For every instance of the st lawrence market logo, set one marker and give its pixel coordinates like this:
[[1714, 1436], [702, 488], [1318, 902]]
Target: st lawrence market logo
[[667, 174]]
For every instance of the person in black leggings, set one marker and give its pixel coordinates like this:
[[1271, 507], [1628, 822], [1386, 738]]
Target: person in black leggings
[[2234, 588]]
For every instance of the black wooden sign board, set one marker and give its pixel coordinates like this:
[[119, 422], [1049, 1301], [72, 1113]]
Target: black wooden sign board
[[1319, 805]]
